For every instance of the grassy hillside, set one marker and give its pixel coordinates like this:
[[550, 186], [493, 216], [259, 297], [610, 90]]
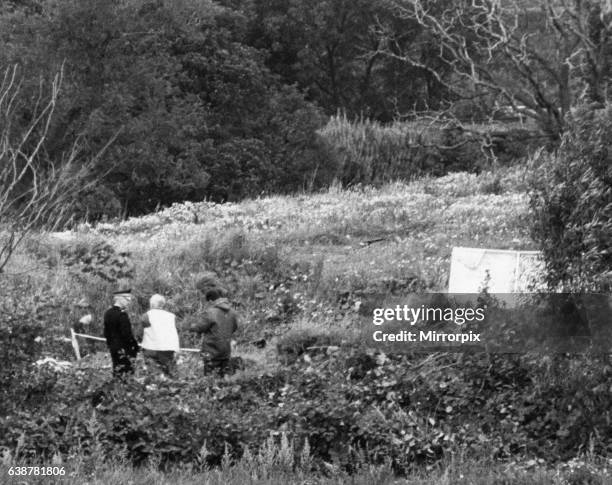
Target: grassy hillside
[[285, 260], [295, 267]]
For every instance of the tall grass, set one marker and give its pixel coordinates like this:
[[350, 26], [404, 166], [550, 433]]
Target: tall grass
[[369, 152], [275, 465]]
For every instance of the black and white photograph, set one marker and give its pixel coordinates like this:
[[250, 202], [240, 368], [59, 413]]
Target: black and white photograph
[[306, 242]]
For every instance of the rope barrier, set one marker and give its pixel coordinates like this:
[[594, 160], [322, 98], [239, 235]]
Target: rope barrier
[[100, 339], [77, 350]]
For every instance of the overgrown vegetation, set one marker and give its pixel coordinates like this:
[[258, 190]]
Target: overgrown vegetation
[[266, 468], [340, 407], [223, 100], [367, 152], [571, 204], [190, 113], [322, 403]]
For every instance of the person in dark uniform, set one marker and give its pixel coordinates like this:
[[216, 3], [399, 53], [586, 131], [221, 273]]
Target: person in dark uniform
[[118, 333], [218, 324]]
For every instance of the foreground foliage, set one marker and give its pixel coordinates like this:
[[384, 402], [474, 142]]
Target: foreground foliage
[[269, 468], [342, 406]]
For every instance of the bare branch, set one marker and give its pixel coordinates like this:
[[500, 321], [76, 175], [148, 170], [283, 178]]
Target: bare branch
[[35, 192], [538, 54]]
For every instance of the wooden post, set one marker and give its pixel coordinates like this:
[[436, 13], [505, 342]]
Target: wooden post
[[75, 344]]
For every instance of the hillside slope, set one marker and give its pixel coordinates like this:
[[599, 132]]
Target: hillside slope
[[295, 267], [411, 225]]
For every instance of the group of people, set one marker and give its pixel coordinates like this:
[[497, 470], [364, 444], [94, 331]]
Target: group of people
[[159, 336]]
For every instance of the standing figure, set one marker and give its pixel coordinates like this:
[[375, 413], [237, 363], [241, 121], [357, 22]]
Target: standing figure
[[218, 325], [160, 340], [118, 333]]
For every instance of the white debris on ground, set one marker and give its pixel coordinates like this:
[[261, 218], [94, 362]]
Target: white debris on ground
[[58, 365], [64, 235]]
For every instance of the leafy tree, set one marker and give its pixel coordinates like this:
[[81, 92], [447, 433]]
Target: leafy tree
[[194, 106], [333, 50], [571, 203]]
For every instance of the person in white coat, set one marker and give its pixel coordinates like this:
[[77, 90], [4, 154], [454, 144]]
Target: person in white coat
[[160, 340]]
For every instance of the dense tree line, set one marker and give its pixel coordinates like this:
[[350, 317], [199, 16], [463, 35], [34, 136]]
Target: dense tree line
[[337, 52], [194, 110], [223, 99], [205, 99]]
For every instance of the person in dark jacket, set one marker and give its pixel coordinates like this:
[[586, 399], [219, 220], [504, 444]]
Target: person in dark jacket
[[218, 325], [118, 333]]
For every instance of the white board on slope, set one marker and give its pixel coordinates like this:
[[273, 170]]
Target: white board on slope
[[502, 271]]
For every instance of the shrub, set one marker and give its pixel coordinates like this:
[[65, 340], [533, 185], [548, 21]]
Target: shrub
[[20, 342], [19, 349], [296, 343], [571, 203], [368, 152], [400, 410]]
